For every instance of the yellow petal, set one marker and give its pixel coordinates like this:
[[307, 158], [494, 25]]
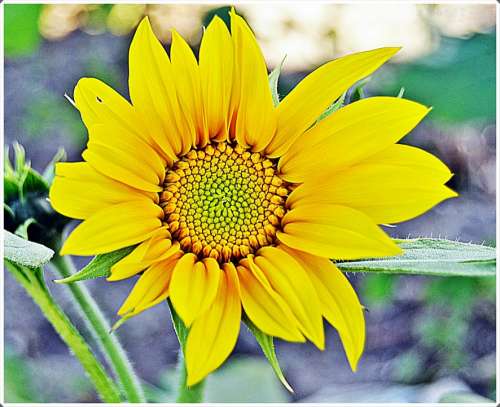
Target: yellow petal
[[118, 161], [249, 263], [213, 335], [266, 309], [188, 85], [256, 116], [292, 283], [339, 302], [152, 284], [395, 185], [153, 93], [114, 227], [194, 286], [311, 97], [158, 248], [400, 155], [335, 232], [216, 72], [142, 156], [351, 134], [79, 191], [100, 104]]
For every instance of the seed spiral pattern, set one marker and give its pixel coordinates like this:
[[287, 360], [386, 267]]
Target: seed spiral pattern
[[223, 202]]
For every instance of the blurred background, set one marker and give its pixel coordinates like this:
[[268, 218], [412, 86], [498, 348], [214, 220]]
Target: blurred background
[[429, 339]]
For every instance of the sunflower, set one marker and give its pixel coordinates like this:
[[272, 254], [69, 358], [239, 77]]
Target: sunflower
[[236, 206]]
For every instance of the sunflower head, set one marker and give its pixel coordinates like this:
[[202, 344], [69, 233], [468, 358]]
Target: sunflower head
[[235, 205], [223, 202]]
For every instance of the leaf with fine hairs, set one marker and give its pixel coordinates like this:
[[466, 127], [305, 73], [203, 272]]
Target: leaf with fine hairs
[[99, 266], [435, 257], [25, 253]]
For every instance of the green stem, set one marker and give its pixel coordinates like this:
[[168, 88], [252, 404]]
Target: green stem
[[100, 328], [33, 282], [185, 394]]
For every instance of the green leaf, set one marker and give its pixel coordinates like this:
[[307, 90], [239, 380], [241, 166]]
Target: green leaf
[[180, 329], [273, 82], [25, 253], [10, 190], [267, 345], [99, 266], [21, 36], [34, 182], [437, 257], [333, 107]]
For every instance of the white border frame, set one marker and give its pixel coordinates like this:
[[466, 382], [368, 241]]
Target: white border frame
[[263, 2]]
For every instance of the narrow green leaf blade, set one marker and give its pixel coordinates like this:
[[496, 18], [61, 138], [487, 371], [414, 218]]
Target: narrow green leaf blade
[[273, 82], [333, 107], [25, 253], [99, 266], [267, 345], [180, 329], [436, 257]]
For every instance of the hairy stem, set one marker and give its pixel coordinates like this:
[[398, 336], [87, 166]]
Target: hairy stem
[[34, 284], [100, 329]]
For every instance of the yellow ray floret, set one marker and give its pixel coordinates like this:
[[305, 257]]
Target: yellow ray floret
[[304, 104], [188, 84], [78, 191], [352, 134], [114, 227], [291, 282], [194, 286], [335, 231], [395, 185], [266, 308], [151, 288], [150, 73], [213, 335], [256, 116], [216, 72]]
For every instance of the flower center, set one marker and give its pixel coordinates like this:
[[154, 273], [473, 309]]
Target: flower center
[[223, 202]]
